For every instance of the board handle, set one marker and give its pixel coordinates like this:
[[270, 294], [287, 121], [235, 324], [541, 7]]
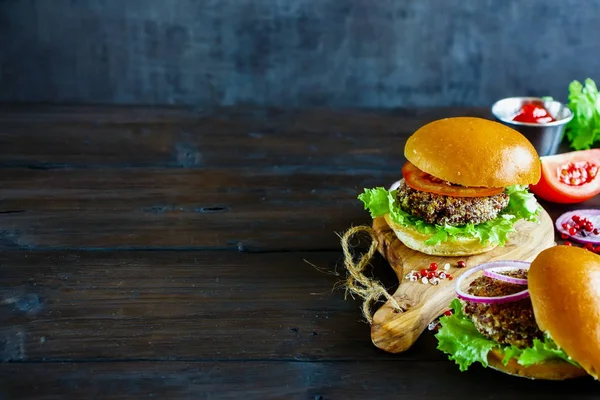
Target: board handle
[[357, 283], [396, 332]]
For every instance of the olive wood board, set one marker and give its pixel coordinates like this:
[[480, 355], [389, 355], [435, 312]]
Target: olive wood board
[[396, 331]]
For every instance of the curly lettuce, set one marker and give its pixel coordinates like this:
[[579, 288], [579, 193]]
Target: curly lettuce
[[522, 205], [458, 337], [583, 131]]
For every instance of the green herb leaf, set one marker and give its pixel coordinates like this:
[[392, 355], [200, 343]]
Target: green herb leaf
[[583, 131], [521, 205]]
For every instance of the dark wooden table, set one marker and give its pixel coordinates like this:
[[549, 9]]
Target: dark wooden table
[[166, 253]]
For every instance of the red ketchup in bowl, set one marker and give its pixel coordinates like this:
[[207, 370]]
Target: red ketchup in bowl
[[533, 113]]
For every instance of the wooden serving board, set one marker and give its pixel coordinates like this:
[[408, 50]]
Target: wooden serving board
[[395, 331]]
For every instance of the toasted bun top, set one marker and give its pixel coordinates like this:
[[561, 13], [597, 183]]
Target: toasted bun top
[[564, 285], [474, 152]]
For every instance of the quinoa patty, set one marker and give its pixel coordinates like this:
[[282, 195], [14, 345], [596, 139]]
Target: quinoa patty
[[507, 323], [446, 210]]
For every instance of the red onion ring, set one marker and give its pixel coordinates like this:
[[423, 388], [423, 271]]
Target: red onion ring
[[490, 300], [591, 214], [394, 186], [493, 273]]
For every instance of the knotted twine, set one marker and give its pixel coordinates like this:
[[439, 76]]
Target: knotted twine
[[357, 282]]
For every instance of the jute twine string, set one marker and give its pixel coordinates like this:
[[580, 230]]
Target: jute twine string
[[356, 282]]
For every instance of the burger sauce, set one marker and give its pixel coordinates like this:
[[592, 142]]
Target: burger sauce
[[533, 113]]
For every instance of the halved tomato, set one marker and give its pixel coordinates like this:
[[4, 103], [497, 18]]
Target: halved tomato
[[424, 182], [569, 177]]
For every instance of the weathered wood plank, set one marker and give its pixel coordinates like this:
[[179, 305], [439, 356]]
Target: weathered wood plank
[[248, 209], [137, 137], [439, 380], [90, 115], [254, 210], [194, 323], [180, 305]]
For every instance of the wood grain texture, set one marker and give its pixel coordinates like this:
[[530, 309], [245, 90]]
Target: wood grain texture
[[395, 331], [258, 380], [160, 252], [108, 137], [192, 305], [262, 209], [132, 178]]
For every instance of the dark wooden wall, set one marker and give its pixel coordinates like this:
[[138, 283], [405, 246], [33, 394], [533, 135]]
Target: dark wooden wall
[[340, 53]]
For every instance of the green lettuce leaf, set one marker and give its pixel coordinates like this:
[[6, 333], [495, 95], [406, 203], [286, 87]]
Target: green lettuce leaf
[[542, 351], [583, 131], [511, 352], [378, 201], [521, 205], [458, 337]]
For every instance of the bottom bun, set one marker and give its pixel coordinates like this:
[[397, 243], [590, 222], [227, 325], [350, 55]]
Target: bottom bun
[[555, 370], [457, 247]]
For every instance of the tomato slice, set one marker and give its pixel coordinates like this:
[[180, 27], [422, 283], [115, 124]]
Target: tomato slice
[[569, 177], [422, 181]]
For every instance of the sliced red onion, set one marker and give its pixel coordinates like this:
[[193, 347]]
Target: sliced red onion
[[394, 186], [591, 214], [505, 278], [490, 300], [494, 272]]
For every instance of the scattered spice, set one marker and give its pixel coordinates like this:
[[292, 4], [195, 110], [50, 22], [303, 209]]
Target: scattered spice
[[581, 229], [432, 275], [433, 326], [579, 225]]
